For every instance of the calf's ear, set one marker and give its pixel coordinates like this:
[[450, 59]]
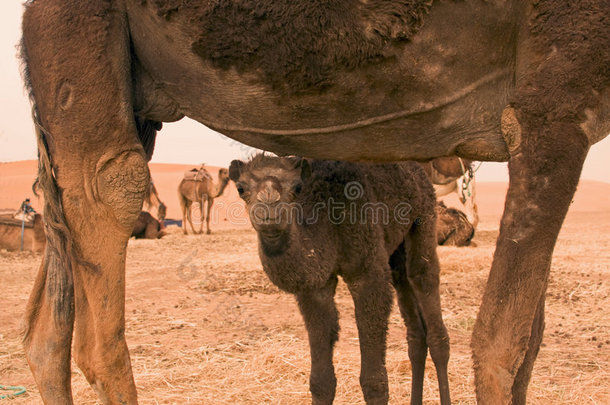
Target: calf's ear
[[235, 169]]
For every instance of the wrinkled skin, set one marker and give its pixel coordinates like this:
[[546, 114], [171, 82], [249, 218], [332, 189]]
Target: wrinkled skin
[[520, 81]]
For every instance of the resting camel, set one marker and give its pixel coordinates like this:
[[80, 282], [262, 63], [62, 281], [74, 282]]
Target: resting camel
[[380, 80], [151, 199], [455, 175], [147, 227], [304, 249], [33, 233], [452, 226], [198, 186]]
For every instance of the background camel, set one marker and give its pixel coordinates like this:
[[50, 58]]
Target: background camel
[[147, 227], [452, 226], [455, 175], [198, 186], [152, 199], [382, 80], [33, 236], [303, 250]]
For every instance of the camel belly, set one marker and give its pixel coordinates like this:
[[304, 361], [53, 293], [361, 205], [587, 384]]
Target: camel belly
[[440, 93]]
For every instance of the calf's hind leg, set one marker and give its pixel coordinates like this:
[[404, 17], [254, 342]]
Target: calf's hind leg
[[416, 331], [419, 299]]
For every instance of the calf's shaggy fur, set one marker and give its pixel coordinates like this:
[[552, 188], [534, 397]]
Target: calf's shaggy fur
[[373, 225]]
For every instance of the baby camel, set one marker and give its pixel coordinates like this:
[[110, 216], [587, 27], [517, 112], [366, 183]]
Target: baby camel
[[373, 225]]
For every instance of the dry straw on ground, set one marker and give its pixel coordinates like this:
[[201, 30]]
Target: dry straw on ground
[[205, 326]]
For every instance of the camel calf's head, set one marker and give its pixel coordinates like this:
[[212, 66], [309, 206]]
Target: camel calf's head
[[270, 186]]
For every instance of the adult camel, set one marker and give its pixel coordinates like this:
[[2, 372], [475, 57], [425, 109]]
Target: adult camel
[[198, 186], [526, 82]]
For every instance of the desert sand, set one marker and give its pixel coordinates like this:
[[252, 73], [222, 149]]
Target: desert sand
[[205, 326]]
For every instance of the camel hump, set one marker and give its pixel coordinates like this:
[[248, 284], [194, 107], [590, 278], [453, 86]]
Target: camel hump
[[197, 174]]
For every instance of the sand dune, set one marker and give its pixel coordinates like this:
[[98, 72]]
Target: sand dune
[[16, 180]]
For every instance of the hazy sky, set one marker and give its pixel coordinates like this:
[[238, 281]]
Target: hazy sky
[[183, 142]]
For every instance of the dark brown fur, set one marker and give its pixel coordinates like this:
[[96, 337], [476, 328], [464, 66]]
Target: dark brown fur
[[271, 36], [303, 250]]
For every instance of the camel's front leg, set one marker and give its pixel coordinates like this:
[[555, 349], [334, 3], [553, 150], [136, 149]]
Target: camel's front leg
[[184, 205], [372, 296], [544, 169], [322, 323], [201, 211], [209, 214], [189, 217]]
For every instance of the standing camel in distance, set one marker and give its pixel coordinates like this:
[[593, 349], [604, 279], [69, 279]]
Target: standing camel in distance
[[369, 242], [380, 80], [198, 186], [455, 175]]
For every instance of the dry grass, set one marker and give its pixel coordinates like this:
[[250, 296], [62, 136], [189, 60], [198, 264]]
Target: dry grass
[[205, 326]]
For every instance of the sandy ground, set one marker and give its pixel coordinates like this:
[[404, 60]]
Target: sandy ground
[[205, 326]]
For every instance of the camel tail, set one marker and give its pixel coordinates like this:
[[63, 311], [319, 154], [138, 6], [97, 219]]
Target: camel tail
[[55, 278]]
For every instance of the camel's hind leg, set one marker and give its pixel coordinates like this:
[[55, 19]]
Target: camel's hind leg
[[77, 56], [189, 216], [49, 321]]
